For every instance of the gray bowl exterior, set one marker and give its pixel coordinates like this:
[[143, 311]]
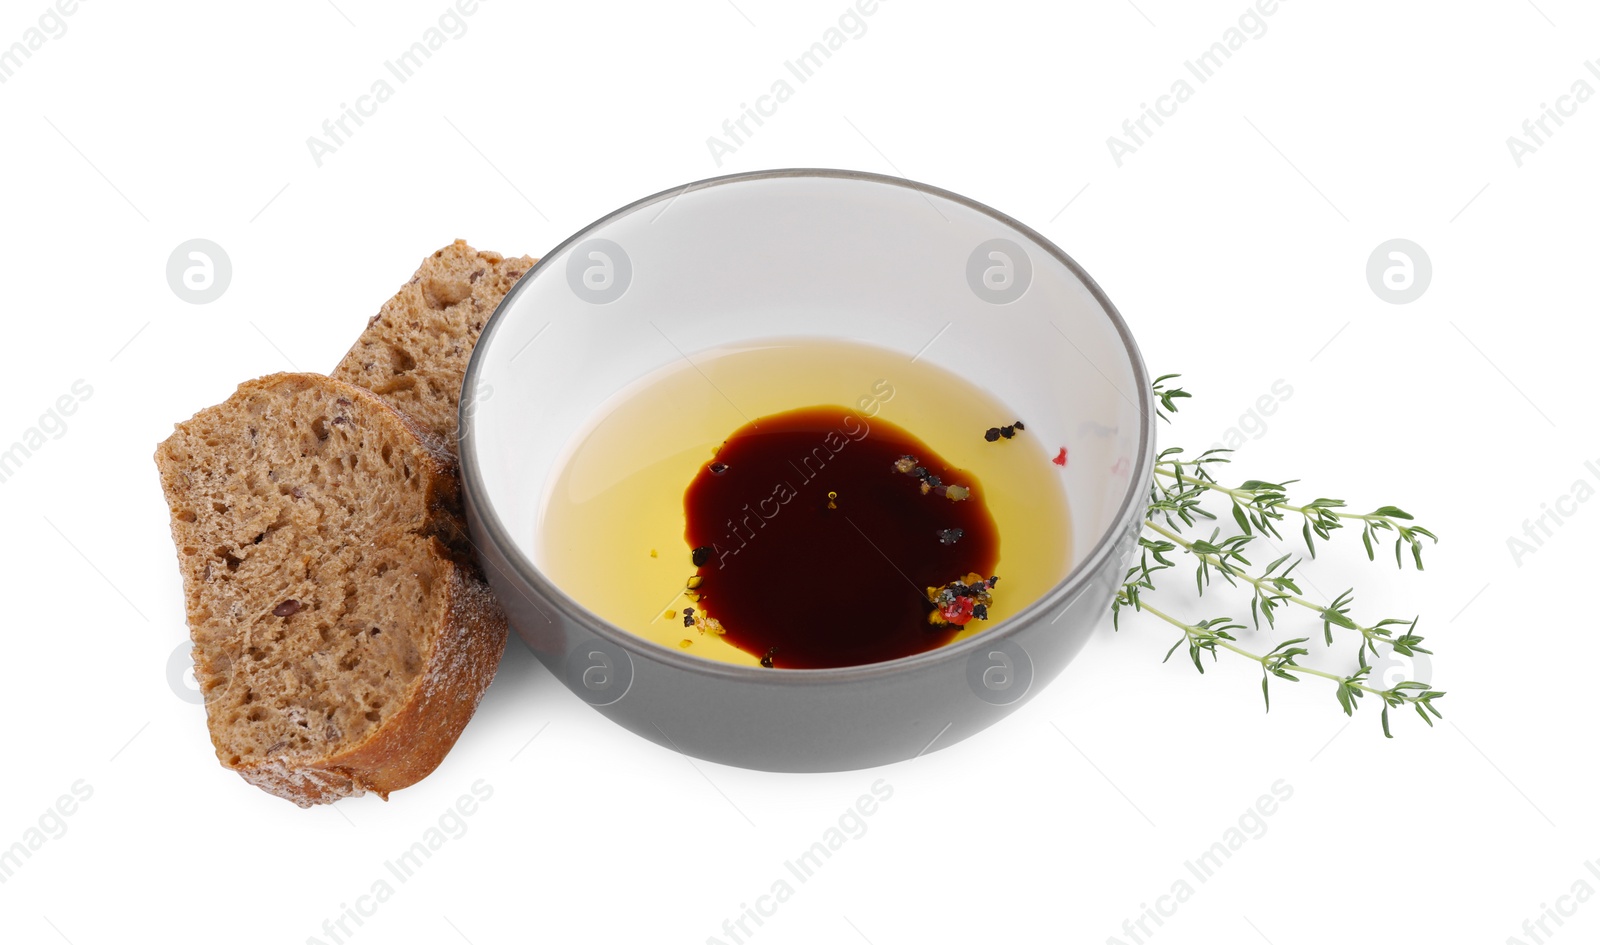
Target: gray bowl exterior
[[817, 720], [824, 719]]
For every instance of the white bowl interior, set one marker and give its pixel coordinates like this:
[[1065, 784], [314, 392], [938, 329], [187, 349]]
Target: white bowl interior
[[804, 254]]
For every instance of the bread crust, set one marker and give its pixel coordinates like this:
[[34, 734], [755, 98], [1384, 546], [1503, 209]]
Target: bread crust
[[412, 740], [411, 744]]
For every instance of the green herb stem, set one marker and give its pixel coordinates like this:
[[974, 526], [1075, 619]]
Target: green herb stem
[[1264, 584], [1249, 494], [1212, 639], [1177, 504]]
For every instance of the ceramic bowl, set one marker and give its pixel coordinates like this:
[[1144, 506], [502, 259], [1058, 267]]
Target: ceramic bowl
[[811, 254]]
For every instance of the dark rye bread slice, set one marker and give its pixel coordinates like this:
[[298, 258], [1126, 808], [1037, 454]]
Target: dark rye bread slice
[[342, 639], [414, 352]]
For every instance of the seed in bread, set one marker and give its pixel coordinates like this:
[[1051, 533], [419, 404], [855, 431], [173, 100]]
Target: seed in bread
[[414, 352], [342, 638]]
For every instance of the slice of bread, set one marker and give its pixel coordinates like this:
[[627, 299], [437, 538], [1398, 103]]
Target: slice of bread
[[414, 352], [342, 637]]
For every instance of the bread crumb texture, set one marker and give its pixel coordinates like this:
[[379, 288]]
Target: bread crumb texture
[[342, 636], [414, 352]]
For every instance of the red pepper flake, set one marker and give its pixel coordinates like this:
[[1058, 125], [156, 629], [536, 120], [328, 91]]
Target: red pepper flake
[[958, 611], [960, 601], [1061, 457]]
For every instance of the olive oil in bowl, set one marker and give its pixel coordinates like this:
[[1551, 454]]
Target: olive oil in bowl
[[803, 503]]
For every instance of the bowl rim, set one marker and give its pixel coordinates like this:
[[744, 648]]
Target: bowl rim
[[1069, 589]]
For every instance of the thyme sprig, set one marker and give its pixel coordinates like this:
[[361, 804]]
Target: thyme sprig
[[1257, 507]]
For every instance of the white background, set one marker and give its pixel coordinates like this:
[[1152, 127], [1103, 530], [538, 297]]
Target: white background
[[1235, 243]]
